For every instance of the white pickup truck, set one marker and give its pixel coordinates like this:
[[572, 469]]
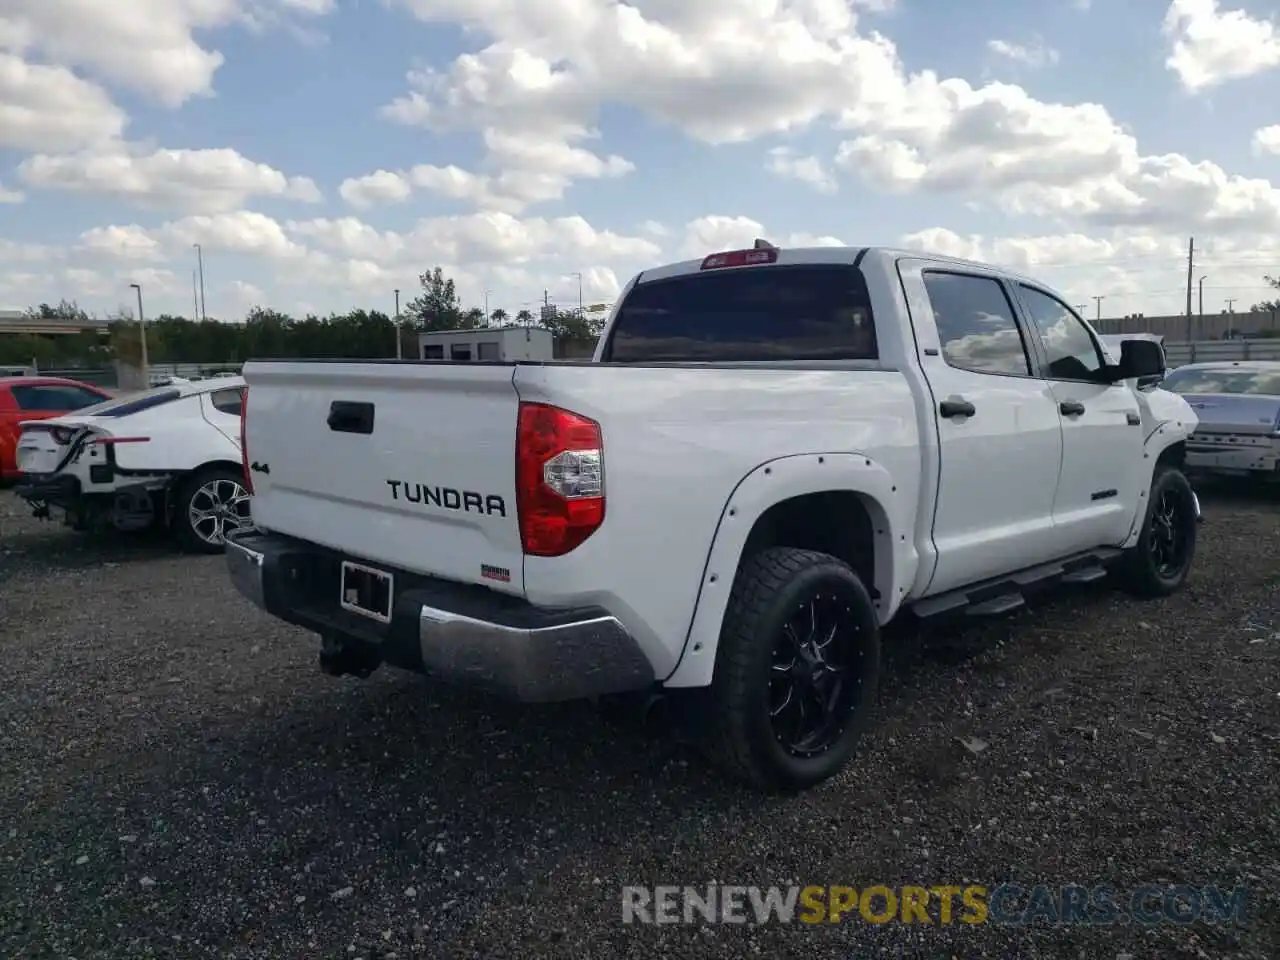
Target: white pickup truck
[[772, 454]]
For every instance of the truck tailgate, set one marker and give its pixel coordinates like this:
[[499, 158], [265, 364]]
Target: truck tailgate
[[404, 464]]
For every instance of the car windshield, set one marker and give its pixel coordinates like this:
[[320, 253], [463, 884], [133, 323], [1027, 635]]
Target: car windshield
[[1224, 380]]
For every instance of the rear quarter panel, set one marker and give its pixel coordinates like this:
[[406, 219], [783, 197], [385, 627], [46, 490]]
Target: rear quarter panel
[[683, 446], [180, 439]]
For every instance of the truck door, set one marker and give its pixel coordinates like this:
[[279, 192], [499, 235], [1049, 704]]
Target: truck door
[[999, 431], [1103, 473]]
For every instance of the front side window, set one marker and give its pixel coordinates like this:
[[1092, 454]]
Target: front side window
[[1070, 350], [976, 324]]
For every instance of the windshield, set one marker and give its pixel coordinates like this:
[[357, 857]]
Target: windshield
[[1224, 380]]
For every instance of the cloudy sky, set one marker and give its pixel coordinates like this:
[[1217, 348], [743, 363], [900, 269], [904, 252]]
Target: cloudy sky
[[325, 152]]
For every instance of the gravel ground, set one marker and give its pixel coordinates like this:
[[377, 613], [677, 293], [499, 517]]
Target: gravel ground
[[177, 779]]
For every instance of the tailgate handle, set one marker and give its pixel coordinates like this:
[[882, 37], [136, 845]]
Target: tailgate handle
[[350, 416]]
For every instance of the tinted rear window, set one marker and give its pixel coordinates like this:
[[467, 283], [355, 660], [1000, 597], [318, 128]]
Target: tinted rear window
[[810, 312]]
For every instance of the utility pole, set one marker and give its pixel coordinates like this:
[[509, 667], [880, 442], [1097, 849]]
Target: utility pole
[[1230, 303], [200, 262], [1098, 302], [581, 313], [195, 299], [399, 349], [486, 308], [1200, 312], [1080, 307], [142, 332], [1191, 268]]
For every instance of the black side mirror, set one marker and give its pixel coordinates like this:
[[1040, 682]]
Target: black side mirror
[[1140, 360]]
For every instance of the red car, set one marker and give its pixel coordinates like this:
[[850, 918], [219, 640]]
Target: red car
[[36, 398]]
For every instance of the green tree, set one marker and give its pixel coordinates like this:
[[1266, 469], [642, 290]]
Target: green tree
[[572, 325], [472, 318], [524, 317], [438, 306], [1269, 306], [499, 317]]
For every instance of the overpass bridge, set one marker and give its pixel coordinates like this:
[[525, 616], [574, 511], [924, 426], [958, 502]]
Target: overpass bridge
[[15, 322]]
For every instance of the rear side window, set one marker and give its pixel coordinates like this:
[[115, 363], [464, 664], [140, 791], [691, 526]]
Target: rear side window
[[976, 324], [228, 401], [803, 312]]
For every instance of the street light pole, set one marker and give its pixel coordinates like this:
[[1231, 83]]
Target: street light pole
[[200, 261], [581, 312], [486, 307], [142, 331], [399, 349]]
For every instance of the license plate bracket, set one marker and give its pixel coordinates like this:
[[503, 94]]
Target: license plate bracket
[[366, 591]]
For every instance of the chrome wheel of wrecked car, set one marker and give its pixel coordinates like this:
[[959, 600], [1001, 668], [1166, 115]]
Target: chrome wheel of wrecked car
[[218, 506], [212, 503]]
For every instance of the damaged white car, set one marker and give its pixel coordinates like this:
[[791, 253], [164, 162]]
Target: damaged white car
[[169, 456]]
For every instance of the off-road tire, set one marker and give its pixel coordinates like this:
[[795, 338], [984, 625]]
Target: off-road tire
[[736, 734], [1137, 573]]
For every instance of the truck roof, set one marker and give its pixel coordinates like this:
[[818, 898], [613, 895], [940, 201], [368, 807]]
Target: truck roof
[[837, 254]]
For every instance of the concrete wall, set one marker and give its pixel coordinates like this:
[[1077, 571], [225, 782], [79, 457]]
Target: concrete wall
[[1208, 327]]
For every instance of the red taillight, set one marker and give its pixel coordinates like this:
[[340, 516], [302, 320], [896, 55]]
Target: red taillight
[[244, 447], [739, 258], [559, 479]]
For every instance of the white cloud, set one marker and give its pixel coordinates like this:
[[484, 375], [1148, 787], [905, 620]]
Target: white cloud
[[716, 232], [480, 238], [1209, 46], [527, 170], [147, 46], [381, 186], [50, 108], [1032, 54], [1267, 140], [11, 196], [785, 162], [203, 181], [1132, 270], [130, 242], [756, 69]]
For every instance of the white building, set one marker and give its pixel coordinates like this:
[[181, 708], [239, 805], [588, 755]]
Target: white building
[[504, 344]]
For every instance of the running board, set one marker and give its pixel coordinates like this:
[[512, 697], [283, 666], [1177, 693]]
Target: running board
[[1003, 594]]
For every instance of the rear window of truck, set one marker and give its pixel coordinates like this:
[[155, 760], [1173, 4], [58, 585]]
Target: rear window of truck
[[788, 312]]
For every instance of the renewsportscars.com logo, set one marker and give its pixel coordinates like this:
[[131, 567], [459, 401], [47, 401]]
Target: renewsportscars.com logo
[[1007, 904]]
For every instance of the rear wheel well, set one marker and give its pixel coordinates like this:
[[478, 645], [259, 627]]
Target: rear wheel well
[[836, 522], [1174, 455]]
